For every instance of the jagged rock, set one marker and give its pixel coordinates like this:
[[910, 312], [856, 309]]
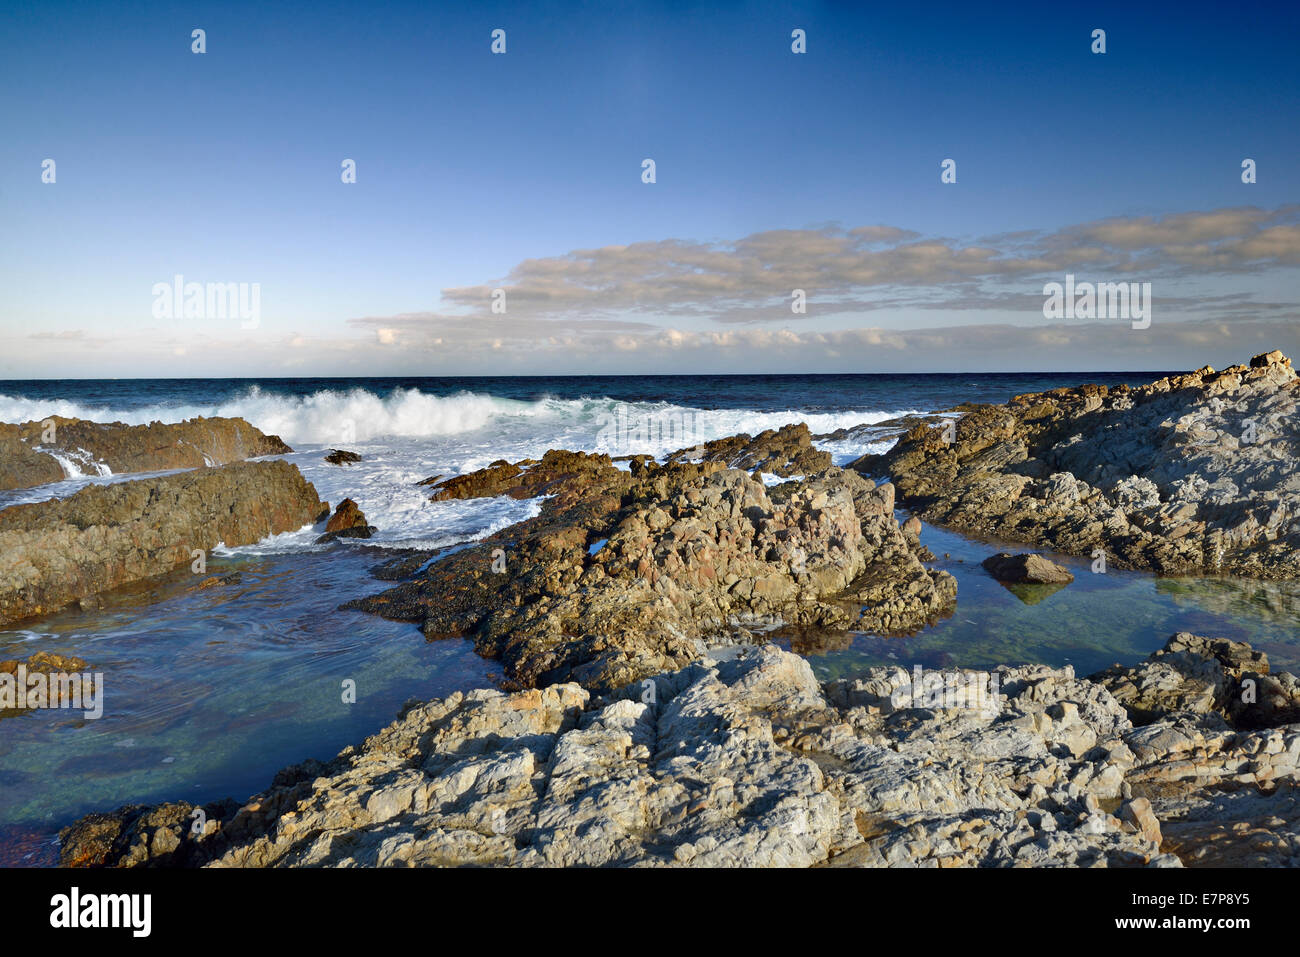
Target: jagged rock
[[1192, 473], [342, 457], [1026, 570], [55, 552], [1203, 676], [525, 479], [25, 459], [749, 762], [783, 452], [628, 573], [348, 521]]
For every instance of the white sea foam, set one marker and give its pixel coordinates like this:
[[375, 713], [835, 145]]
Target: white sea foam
[[408, 435]]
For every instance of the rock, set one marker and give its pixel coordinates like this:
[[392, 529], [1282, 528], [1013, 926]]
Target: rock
[[93, 447], [348, 521], [1203, 676], [748, 761], [346, 516], [783, 452], [217, 580], [48, 664], [625, 574], [1026, 569], [526, 479], [741, 763], [1190, 474], [342, 457], [139, 835], [55, 552], [1138, 813]]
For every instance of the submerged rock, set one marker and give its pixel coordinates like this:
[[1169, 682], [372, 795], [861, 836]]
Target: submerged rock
[[749, 762], [27, 452], [55, 552], [1190, 474], [49, 664]]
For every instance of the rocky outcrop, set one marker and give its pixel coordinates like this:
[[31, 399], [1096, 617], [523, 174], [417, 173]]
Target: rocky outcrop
[[1026, 570], [525, 479], [1192, 473], [749, 762], [626, 574], [55, 552], [1205, 677], [784, 452], [342, 457], [348, 521], [28, 452]]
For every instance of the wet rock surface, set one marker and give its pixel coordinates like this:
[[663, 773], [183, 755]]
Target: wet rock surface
[[342, 457], [524, 479], [1190, 474], [348, 521], [750, 762], [25, 459], [56, 552], [627, 573]]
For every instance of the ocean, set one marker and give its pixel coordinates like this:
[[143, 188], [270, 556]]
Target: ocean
[[210, 692]]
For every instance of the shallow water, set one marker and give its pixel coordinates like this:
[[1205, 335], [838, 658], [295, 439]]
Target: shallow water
[[1097, 620], [209, 692]]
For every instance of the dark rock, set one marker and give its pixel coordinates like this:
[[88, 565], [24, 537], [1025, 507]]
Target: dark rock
[[342, 457], [348, 521]]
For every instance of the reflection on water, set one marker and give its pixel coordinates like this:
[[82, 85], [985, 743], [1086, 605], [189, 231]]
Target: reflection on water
[[1094, 622], [209, 692]]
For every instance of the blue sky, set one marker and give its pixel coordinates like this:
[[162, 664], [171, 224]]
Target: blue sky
[[478, 171]]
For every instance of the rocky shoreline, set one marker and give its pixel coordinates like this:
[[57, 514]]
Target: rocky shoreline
[[645, 719], [1190, 474], [747, 761], [628, 573]]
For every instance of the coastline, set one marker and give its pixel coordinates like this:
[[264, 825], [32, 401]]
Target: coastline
[[727, 557]]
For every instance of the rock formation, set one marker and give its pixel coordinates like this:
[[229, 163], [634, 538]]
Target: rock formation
[[27, 459], [1190, 474], [625, 574], [749, 762], [104, 536]]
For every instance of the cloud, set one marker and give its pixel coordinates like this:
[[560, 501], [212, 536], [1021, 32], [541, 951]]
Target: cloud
[[752, 279]]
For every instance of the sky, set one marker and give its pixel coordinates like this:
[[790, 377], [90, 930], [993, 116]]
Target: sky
[[523, 172]]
